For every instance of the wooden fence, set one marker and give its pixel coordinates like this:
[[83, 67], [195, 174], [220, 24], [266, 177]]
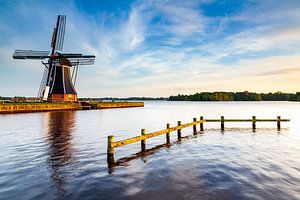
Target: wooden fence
[[111, 144]]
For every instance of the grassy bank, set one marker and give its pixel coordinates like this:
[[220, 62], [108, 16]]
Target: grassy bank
[[18, 107]]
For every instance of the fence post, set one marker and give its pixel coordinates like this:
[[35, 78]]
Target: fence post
[[222, 123], [143, 142], [168, 134], [194, 126], [110, 149], [179, 131], [201, 123], [278, 123], [253, 122]]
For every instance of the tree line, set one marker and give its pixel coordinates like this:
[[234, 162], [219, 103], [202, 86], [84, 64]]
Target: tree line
[[237, 96]]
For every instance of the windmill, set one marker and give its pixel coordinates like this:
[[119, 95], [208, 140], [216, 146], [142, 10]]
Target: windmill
[[58, 84]]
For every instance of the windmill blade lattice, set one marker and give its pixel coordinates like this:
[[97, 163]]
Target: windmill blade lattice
[[59, 33], [30, 54], [82, 61]]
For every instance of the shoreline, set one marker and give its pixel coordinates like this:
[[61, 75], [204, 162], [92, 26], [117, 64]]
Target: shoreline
[[29, 107]]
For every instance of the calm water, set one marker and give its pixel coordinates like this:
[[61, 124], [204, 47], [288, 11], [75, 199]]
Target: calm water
[[62, 155]]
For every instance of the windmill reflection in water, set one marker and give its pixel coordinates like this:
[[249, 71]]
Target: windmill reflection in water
[[60, 126]]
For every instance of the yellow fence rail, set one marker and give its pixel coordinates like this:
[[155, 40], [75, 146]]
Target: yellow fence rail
[[111, 144]]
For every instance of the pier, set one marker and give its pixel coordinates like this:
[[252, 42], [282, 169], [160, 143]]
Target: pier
[[112, 144]]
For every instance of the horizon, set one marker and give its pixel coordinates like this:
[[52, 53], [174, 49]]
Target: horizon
[[166, 97], [157, 48]]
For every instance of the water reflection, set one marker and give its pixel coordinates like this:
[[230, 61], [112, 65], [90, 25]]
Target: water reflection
[[60, 126], [140, 155]]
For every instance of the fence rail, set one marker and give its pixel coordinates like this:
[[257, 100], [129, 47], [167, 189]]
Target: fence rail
[[111, 144]]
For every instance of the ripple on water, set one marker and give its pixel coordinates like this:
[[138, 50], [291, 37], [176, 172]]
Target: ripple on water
[[62, 155]]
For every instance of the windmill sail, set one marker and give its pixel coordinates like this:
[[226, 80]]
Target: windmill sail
[[82, 61], [43, 82], [59, 33], [30, 54], [46, 93]]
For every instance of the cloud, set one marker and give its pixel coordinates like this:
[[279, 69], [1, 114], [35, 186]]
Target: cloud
[[133, 33], [268, 11], [279, 71], [182, 20]]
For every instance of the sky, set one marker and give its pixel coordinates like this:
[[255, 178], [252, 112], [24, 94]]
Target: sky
[[157, 48]]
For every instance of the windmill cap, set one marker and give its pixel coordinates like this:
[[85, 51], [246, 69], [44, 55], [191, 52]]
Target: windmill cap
[[64, 61]]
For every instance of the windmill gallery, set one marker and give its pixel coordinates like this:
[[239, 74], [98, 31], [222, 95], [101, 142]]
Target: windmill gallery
[[57, 89]]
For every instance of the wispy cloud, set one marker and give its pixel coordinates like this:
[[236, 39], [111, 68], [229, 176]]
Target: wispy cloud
[[133, 33], [182, 19]]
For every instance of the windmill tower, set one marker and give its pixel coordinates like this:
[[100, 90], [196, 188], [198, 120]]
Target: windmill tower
[[58, 84]]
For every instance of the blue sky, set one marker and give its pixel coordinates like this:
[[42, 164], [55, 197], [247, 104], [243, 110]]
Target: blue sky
[[157, 48]]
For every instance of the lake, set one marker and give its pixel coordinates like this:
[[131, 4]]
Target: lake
[[62, 155]]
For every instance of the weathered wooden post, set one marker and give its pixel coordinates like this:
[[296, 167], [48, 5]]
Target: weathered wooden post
[[222, 123], [168, 134], [253, 122], [278, 123], [201, 123], [110, 149], [194, 126], [179, 131], [143, 142]]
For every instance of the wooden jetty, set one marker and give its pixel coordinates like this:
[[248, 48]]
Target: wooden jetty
[[112, 144], [24, 107]]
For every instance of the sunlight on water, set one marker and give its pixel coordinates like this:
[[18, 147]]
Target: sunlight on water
[[62, 155]]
